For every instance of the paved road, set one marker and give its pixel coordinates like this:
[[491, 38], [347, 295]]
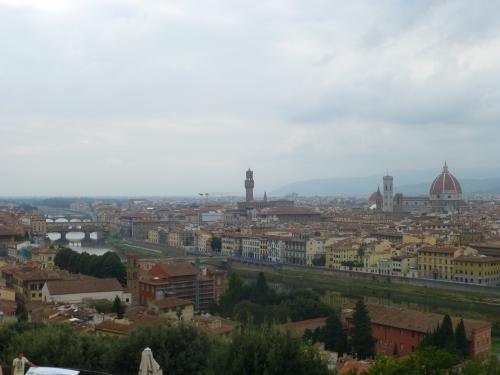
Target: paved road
[[160, 249]]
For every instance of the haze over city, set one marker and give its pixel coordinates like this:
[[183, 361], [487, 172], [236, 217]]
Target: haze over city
[[233, 187], [173, 98]]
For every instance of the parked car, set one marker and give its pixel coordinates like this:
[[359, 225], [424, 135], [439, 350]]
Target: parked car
[[60, 371], [51, 371]]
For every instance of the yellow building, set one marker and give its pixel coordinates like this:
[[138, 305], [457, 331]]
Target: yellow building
[[315, 247], [409, 239], [45, 256], [372, 256], [203, 241], [28, 285], [7, 294], [477, 269], [172, 308], [175, 238], [339, 253], [436, 262], [153, 236]]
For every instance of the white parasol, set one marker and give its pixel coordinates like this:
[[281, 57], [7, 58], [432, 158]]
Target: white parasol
[[148, 364]]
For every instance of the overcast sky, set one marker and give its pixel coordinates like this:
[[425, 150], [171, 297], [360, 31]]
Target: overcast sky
[[167, 97]]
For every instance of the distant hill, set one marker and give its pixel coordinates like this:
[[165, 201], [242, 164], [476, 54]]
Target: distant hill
[[406, 182], [469, 186]]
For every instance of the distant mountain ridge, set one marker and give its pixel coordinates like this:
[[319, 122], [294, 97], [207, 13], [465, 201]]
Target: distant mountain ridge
[[406, 182]]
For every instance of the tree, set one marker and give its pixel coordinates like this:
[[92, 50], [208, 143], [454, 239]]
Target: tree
[[216, 244], [178, 349], [178, 313], [107, 265], [261, 294], [319, 260], [446, 336], [21, 312], [443, 337], [363, 343], [265, 350], [118, 308], [333, 335], [236, 291], [427, 361], [480, 366], [461, 343]]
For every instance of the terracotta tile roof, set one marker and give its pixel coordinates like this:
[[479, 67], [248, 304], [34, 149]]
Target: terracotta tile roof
[[7, 308], [178, 268], [44, 275], [297, 329], [418, 321], [439, 249], [477, 259], [110, 326], [169, 303], [358, 366], [83, 286], [215, 325]]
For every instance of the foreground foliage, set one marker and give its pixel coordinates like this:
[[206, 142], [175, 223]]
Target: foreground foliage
[[265, 350], [179, 350], [332, 335], [433, 361]]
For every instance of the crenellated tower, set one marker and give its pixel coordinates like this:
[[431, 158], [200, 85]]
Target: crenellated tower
[[249, 184]]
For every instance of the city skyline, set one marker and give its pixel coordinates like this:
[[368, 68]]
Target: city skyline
[[154, 98]]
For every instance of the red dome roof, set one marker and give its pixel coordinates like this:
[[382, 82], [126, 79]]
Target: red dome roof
[[375, 196], [445, 183]]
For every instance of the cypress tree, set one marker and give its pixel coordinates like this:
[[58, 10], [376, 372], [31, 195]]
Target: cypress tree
[[363, 343], [334, 336], [461, 339], [21, 312], [447, 337], [118, 308], [261, 293]]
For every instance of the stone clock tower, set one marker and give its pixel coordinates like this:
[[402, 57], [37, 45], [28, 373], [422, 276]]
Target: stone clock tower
[[249, 184]]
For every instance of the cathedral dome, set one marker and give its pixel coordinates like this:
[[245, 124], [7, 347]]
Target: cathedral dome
[[375, 197], [446, 186]]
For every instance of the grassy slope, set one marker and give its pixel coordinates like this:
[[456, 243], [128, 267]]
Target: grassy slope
[[469, 305]]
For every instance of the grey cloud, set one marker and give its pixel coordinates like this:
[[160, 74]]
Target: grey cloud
[[154, 97]]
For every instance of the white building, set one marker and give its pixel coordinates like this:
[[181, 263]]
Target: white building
[[76, 291], [275, 250], [251, 247]]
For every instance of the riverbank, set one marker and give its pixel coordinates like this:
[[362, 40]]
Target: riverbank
[[143, 249], [341, 288], [122, 248]]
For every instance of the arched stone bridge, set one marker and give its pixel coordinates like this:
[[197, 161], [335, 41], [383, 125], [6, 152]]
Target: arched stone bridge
[[86, 227]]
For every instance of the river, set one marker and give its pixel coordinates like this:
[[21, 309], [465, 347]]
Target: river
[[75, 243]]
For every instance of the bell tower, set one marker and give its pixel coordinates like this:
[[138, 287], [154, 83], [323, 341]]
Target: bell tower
[[249, 184], [388, 197], [133, 277]]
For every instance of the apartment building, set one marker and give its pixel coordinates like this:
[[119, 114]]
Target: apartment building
[[231, 244], [477, 269], [342, 251], [437, 262]]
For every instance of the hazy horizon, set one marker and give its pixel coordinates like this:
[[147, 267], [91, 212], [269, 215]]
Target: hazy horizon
[[167, 98]]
